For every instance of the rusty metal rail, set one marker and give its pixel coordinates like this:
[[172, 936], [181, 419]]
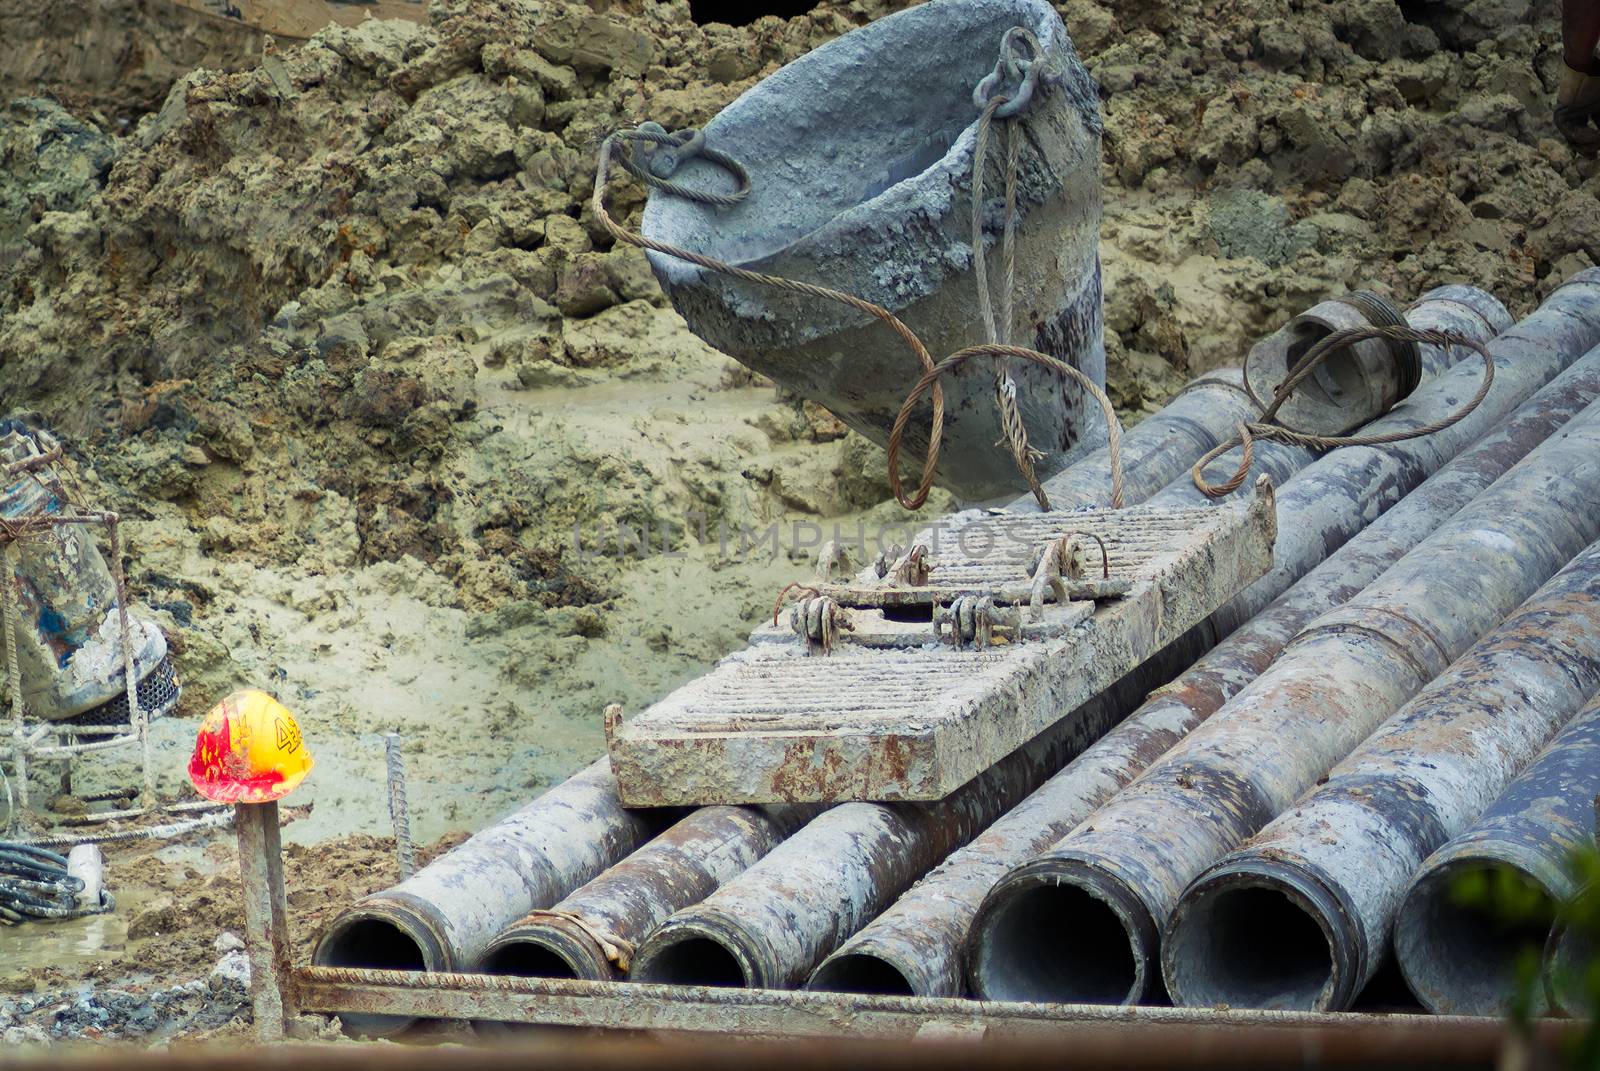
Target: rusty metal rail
[[776, 1013]]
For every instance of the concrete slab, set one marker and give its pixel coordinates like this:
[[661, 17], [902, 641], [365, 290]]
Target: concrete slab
[[888, 716]]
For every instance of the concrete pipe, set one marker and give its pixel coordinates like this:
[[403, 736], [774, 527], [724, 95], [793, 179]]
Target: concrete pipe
[[921, 936], [914, 948], [1322, 405], [443, 917], [1125, 867], [769, 927], [1299, 917], [1154, 450], [1160, 449], [1460, 960], [681, 867], [860, 155], [1359, 383]]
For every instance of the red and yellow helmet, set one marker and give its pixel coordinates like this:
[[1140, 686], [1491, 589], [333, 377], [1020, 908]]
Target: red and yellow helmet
[[249, 750]]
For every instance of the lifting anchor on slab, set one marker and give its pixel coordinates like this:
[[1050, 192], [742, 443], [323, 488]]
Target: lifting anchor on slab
[[1059, 561], [819, 620]]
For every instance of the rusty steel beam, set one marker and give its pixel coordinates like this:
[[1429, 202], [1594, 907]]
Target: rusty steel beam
[[1118, 876], [916, 946], [1162, 447], [770, 926], [444, 916], [1456, 957], [1321, 884], [591, 933]]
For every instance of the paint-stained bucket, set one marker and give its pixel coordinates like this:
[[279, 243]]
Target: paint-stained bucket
[[69, 647]]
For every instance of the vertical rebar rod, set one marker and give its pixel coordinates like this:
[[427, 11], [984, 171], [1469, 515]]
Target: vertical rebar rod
[[8, 598], [136, 712], [399, 806]]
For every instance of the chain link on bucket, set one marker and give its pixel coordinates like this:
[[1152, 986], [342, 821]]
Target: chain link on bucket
[[1010, 67]]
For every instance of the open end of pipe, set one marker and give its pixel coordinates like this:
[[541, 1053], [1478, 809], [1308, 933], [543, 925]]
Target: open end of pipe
[[1249, 946], [521, 959], [525, 959], [860, 973], [1333, 382], [374, 944], [1055, 943], [694, 960], [1459, 951]]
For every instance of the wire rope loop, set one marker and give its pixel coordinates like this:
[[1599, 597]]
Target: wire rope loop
[[655, 167], [1267, 427], [912, 501], [997, 352]]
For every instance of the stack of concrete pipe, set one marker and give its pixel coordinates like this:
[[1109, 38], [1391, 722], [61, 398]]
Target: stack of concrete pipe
[[1300, 915], [1122, 872], [919, 940], [761, 896], [771, 926]]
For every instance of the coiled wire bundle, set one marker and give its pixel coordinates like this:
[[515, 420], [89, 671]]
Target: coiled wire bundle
[[35, 884]]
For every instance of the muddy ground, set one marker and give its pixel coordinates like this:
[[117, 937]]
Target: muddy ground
[[338, 334]]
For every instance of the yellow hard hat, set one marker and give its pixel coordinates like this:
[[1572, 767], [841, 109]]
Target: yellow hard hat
[[248, 750]]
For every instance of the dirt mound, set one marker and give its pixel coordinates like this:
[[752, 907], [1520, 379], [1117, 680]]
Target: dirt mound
[[405, 439]]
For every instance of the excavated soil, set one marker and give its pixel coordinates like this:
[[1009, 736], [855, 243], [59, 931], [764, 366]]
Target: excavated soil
[[332, 325]]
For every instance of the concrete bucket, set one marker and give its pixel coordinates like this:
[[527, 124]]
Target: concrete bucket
[[860, 157]]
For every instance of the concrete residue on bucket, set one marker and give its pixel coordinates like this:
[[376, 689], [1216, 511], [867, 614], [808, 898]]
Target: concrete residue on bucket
[[861, 159]]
